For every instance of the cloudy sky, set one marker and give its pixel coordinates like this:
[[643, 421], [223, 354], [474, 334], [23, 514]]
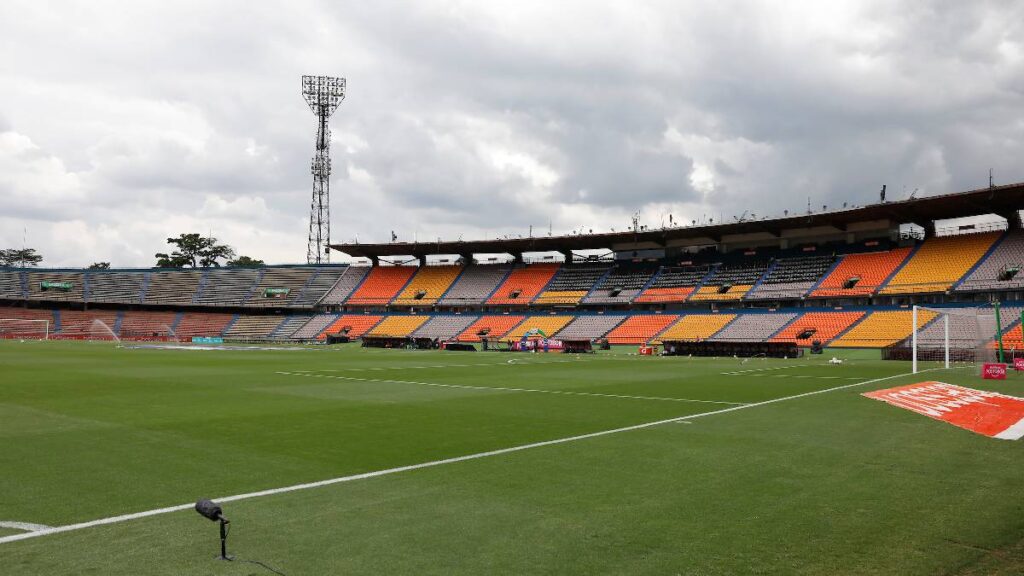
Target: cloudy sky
[[122, 123]]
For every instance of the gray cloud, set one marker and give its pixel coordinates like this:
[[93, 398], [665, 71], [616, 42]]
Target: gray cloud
[[123, 124]]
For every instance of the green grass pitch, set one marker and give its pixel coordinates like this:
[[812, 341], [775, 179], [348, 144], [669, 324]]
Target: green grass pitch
[[829, 483]]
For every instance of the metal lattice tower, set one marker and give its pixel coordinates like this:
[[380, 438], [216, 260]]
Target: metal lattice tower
[[323, 94]]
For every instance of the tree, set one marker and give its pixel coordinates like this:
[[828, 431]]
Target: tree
[[99, 266], [195, 251], [19, 257], [245, 262]]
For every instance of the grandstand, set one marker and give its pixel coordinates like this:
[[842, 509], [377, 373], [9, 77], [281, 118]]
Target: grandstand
[[696, 327], [475, 285], [492, 327], [640, 328], [661, 285], [381, 285], [939, 263], [882, 328], [861, 274], [816, 327], [523, 284], [428, 285]]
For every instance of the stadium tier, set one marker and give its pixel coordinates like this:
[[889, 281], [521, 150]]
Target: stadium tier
[[489, 327], [883, 328], [351, 325], [227, 287], [246, 326], [94, 324], [754, 327], [350, 279], [57, 286], [571, 284], [640, 328], [475, 285], [315, 326], [280, 286], [1000, 270], [674, 284], [816, 326], [696, 327], [589, 327], [546, 325], [145, 325], [398, 326], [861, 274], [203, 324], [444, 327], [939, 263], [173, 288], [730, 281], [621, 285], [381, 285], [115, 287], [791, 277], [523, 284], [428, 285]]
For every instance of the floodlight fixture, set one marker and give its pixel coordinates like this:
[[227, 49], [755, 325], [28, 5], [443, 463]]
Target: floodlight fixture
[[323, 94]]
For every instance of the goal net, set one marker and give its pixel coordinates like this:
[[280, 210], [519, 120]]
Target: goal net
[[953, 335], [22, 329]]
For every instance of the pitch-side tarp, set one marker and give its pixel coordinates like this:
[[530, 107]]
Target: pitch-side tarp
[[990, 413]]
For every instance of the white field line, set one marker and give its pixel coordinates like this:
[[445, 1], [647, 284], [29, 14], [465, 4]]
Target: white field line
[[510, 362], [506, 389], [26, 526], [389, 471], [740, 372]]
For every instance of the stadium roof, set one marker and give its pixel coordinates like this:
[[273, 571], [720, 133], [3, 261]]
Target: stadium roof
[[1002, 200]]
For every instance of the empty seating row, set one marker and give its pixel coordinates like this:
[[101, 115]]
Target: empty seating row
[[571, 284], [381, 285], [343, 288], [816, 326], [640, 328], [351, 325], [523, 284], [475, 285], [730, 281], [444, 327], [1001, 269], [791, 277], [323, 280], [696, 327], [940, 262], [428, 285], [753, 327], [489, 327], [882, 328], [861, 274], [674, 284], [398, 326], [621, 285], [279, 287], [590, 327]]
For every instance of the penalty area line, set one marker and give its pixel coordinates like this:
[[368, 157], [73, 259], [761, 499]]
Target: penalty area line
[[435, 463], [510, 389]]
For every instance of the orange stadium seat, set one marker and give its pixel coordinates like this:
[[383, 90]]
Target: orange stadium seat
[[707, 293], [496, 327], [549, 325], [382, 284], [820, 326], [940, 262], [863, 272], [355, 324], [665, 294], [398, 326], [640, 328], [428, 285], [523, 284], [695, 327], [883, 328]]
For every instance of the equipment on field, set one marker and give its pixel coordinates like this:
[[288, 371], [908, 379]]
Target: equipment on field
[[968, 335], [212, 511], [24, 329]]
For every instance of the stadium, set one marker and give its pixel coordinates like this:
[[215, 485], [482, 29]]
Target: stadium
[[833, 391]]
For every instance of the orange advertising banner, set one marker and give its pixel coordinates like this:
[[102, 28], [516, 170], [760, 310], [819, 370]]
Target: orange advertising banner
[[990, 413]]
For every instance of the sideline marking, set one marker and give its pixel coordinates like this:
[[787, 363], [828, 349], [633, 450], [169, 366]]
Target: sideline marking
[[508, 389], [422, 465], [25, 526]]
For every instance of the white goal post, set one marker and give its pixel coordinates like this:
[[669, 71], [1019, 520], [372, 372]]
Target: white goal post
[[949, 335], [24, 329]]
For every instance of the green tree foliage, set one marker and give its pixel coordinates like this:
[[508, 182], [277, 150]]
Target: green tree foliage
[[195, 251], [245, 262], [99, 266], [19, 257]]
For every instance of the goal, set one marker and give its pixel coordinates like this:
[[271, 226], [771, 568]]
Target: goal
[[948, 335], [20, 328]]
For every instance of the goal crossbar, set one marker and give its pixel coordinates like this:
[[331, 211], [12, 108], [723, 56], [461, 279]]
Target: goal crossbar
[[24, 328]]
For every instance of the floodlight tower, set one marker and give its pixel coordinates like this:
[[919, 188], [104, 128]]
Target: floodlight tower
[[323, 94]]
